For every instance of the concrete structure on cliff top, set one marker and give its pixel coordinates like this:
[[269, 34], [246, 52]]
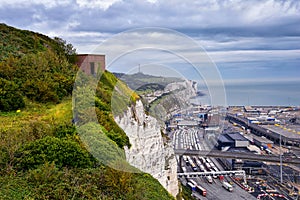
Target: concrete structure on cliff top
[[91, 63]]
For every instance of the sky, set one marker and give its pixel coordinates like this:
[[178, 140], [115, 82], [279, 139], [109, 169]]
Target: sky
[[255, 40]]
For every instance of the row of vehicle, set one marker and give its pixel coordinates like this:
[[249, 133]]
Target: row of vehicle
[[191, 184], [186, 139], [195, 187], [200, 163], [202, 166]]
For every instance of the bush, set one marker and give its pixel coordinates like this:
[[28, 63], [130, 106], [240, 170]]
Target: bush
[[4, 158], [65, 130], [95, 139], [10, 96], [63, 152]]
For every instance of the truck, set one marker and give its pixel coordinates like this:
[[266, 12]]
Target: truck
[[202, 169], [227, 186], [201, 190], [209, 179], [191, 186], [185, 158], [221, 177], [193, 182], [202, 159], [198, 162], [207, 165], [212, 165]]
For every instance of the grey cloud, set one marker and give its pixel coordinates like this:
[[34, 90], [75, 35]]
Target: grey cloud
[[217, 25], [194, 18], [37, 17]]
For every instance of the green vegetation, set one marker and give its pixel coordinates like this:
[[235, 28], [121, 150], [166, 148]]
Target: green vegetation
[[11, 97], [145, 84], [49, 182], [141, 82], [42, 154], [34, 67], [150, 87], [62, 152], [17, 43], [186, 193], [112, 97]]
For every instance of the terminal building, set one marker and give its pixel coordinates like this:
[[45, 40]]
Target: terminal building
[[233, 140]]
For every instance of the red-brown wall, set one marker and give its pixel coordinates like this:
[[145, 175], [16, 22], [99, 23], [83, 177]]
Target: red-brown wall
[[84, 62]]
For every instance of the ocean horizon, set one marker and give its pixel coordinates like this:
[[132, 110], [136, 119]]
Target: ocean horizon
[[283, 93]]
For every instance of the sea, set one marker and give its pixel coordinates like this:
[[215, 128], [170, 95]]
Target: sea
[[283, 93]]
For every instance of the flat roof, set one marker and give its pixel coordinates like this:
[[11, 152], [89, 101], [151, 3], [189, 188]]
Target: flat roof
[[237, 136], [224, 139], [288, 133]]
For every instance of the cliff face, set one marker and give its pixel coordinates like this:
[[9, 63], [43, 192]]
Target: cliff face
[[187, 88], [148, 151], [174, 98]]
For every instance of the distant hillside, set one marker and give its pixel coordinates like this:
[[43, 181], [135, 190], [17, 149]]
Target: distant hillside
[[42, 156], [141, 82]]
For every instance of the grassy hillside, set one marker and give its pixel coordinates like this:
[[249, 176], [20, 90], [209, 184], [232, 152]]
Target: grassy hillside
[[41, 154]]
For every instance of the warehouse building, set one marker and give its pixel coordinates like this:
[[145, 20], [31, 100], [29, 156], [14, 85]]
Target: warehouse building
[[233, 139], [250, 167]]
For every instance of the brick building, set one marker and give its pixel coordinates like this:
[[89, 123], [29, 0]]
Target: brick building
[[91, 63]]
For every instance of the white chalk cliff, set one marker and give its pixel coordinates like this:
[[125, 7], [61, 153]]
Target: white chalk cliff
[[149, 151]]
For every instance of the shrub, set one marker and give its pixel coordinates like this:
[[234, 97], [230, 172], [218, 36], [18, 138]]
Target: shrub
[[65, 130], [4, 157], [63, 152], [10, 96]]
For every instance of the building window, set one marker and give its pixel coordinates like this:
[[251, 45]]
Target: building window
[[92, 66]]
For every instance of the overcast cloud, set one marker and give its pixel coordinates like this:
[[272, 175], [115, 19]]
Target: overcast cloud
[[259, 39]]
